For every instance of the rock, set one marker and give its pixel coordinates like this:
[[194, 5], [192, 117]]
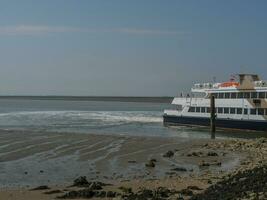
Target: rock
[[243, 184], [42, 187], [216, 163], [81, 182], [170, 173], [195, 154], [203, 164], [145, 194], [150, 164], [25, 172], [153, 160], [193, 188], [179, 169], [211, 153], [100, 194], [125, 190], [53, 192], [186, 192], [168, 154], [131, 161], [41, 171], [206, 164], [95, 186], [209, 182], [162, 192], [85, 193], [111, 194]]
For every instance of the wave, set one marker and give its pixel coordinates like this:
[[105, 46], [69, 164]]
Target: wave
[[78, 118]]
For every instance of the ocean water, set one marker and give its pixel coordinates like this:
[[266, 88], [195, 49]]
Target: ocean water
[[94, 117]]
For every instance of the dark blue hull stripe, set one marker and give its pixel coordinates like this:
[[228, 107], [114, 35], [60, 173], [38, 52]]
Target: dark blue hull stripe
[[221, 123]]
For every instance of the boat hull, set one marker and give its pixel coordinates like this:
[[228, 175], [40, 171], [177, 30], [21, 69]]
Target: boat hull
[[170, 120]]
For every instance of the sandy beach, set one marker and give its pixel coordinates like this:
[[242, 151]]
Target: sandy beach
[[126, 164]]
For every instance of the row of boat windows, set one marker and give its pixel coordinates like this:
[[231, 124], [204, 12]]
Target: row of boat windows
[[225, 110], [240, 95]]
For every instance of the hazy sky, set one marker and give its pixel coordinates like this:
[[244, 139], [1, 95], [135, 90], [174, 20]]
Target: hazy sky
[[127, 47]]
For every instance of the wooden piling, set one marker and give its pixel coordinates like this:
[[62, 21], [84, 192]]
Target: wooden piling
[[212, 117]]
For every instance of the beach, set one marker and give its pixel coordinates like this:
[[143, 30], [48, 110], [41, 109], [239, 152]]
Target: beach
[[33, 159]]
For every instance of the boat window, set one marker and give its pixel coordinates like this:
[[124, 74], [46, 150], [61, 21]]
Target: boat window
[[233, 95], [246, 95], [227, 95], [245, 111], [239, 111], [197, 109], [226, 110], [203, 109], [254, 95], [253, 111], [232, 110], [215, 95], [260, 111], [192, 109], [240, 95], [220, 110], [262, 95], [221, 95], [265, 111], [257, 101], [208, 109]]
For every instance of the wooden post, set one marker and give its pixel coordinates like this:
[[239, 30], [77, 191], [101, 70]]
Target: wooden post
[[212, 116]]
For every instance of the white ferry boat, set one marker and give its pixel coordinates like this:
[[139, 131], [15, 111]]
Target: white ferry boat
[[239, 104]]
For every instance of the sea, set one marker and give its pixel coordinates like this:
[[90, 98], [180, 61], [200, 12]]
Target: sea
[[103, 115]]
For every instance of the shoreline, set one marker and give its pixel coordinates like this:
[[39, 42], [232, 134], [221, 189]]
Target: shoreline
[[187, 168]]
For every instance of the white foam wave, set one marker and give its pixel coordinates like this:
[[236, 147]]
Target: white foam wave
[[74, 118]]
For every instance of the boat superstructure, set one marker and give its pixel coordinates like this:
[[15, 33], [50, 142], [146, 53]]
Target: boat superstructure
[[240, 104]]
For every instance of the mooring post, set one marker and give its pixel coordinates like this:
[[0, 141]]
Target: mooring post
[[212, 116]]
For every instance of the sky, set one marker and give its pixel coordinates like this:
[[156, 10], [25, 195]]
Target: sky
[[127, 47]]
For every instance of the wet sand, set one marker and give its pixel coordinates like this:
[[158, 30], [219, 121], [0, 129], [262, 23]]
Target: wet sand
[[31, 159]]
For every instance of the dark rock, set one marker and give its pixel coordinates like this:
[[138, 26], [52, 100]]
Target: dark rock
[[170, 173], [126, 190], [85, 193], [162, 192], [186, 192], [25, 172], [145, 193], [203, 164], [247, 184], [131, 161], [179, 169], [111, 194], [100, 194], [53, 192], [96, 186], [212, 153], [41, 171], [150, 164], [81, 182], [193, 188], [168, 154], [153, 160], [195, 154], [42, 187], [217, 163]]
